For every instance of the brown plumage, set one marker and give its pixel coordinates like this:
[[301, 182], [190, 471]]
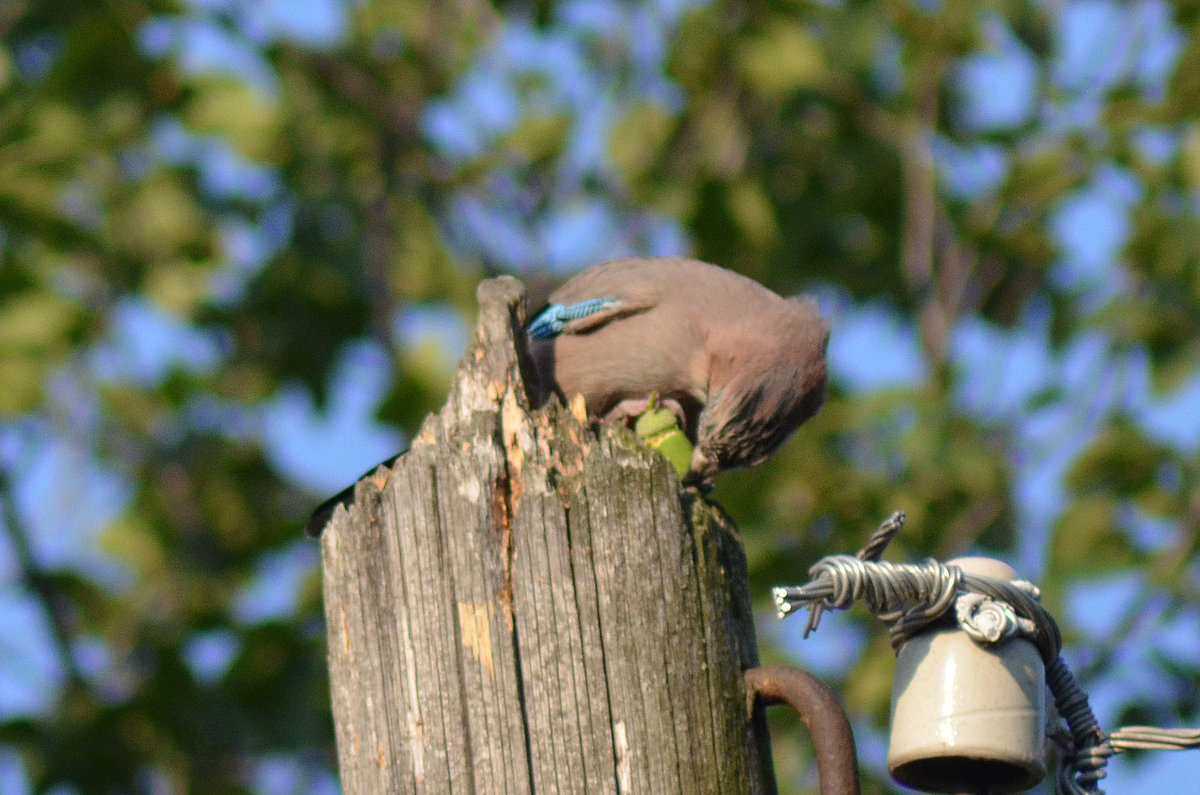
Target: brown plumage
[[740, 365]]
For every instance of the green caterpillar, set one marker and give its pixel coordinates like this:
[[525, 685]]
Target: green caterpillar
[[659, 428]]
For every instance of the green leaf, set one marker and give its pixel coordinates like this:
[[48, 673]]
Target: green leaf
[[1087, 540], [22, 378], [7, 71], [1121, 461], [637, 139], [782, 59], [36, 320], [236, 112], [180, 287], [541, 136], [159, 220]]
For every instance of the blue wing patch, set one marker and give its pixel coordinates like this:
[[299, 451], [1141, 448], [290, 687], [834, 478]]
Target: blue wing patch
[[551, 321]]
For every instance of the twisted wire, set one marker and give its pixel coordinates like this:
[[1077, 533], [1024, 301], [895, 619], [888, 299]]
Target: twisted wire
[[1086, 750], [906, 596], [1152, 738], [910, 597], [878, 541], [1025, 599], [883, 536]]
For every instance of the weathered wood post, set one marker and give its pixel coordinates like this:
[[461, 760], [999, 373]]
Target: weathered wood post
[[526, 604]]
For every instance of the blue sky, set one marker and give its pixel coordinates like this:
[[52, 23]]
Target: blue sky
[[1098, 44]]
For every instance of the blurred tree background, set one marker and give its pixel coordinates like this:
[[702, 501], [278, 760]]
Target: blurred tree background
[[238, 249]]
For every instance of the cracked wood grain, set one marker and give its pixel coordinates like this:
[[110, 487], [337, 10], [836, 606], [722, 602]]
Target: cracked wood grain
[[528, 604]]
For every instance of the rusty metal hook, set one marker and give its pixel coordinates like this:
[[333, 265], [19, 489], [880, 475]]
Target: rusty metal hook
[[821, 711]]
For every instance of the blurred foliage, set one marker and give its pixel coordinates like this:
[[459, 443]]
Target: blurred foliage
[[285, 207]]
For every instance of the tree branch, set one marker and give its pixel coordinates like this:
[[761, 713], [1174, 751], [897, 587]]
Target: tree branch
[[55, 603]]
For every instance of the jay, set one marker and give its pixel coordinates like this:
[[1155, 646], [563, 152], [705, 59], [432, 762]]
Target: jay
[[740, 366]]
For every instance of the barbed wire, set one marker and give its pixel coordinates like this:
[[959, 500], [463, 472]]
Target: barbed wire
[[911, 597]]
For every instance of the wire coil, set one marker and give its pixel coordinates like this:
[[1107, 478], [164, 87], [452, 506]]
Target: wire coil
[[912, 597]]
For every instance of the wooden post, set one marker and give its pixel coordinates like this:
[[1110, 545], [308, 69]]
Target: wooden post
[[527, 604]]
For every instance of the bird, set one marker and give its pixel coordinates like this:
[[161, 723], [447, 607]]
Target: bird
[[741, 366]]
